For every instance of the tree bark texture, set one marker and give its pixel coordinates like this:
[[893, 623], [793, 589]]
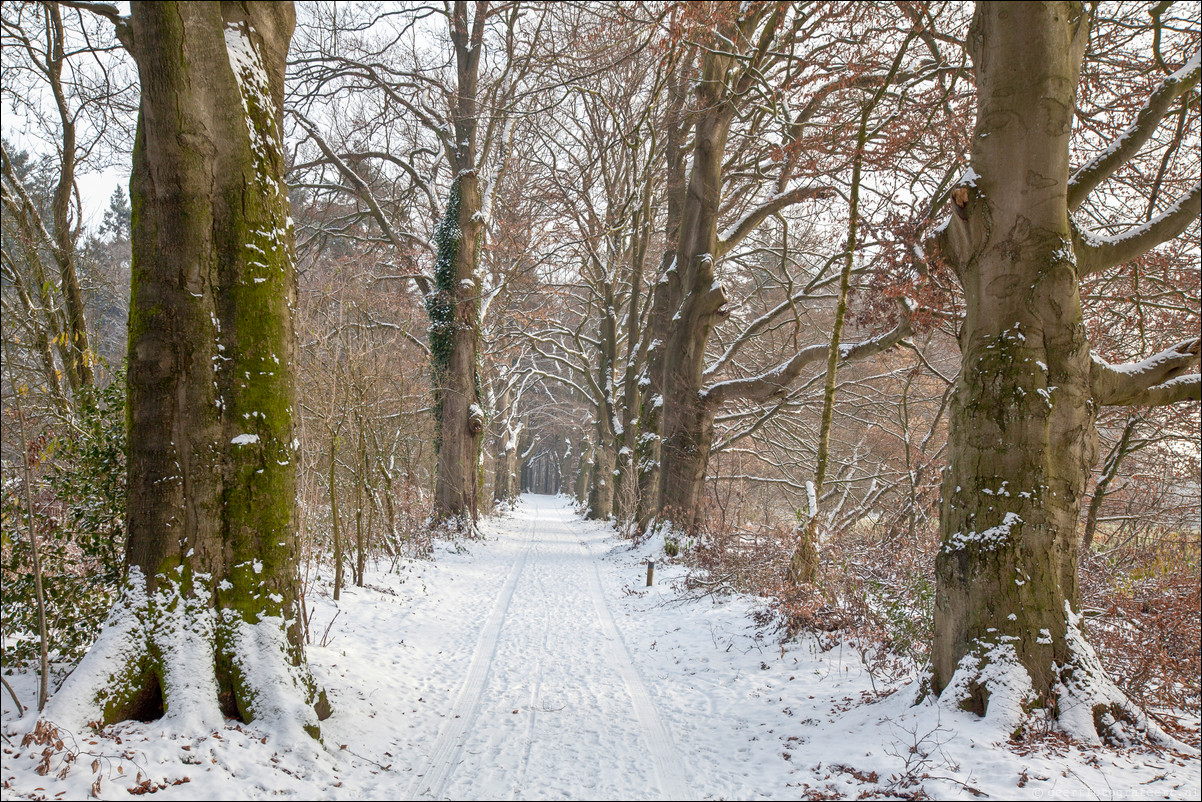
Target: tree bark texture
[[1022, 440], [454, 311], [212, 554], [601, 489], [505, 483], [647, 444], [454, 305], [687, 424]]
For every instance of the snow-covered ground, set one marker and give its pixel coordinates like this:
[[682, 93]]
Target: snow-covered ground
[[536, 664]]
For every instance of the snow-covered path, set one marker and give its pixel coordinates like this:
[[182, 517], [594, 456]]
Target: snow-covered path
[[538, 664], [550, 692], [535, 664]]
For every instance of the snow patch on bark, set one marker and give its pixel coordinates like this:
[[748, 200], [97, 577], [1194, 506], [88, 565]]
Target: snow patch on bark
[[996, 669], [254, 88], [121, 643], [986, 540], [968, 178], [277, 689], [1089, 700]]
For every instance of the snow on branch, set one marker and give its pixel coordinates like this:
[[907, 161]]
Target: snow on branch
[[1128, 143], [1095, 252], [777, 381], [110, 12], [1156, 381], [735, 234], [752, 331]]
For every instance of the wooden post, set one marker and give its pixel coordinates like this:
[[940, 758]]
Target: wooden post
[[650, 571]]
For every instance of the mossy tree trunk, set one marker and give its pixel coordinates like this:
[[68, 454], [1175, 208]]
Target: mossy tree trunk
[[1023, 440], [210, 624], [454, 306]]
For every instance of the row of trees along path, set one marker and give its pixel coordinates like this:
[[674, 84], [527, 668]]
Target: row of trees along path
[[208, 625]]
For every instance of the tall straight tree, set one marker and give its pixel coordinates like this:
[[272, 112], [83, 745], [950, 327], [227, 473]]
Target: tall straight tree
[[1023, 438], [454, 306], [209, 623]]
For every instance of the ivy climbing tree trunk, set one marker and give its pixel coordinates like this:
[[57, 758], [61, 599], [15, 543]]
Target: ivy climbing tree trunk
[[209, 624], [1023, 439], [454, 311], [454, 304]]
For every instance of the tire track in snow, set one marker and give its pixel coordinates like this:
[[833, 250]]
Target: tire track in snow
[[447, 750], [669, 770], [523, 768]]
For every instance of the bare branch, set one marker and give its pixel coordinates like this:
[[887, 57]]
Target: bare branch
[[1095, 253], [109, 12], [362, 191], [1128, 143], [1156, 381], [776, 382], [732, 236]]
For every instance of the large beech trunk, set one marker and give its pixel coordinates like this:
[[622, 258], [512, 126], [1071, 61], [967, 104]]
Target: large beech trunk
[[690, 289], [454, 306], [209, 624], [454, 310], [663, 301], [1022, 440]]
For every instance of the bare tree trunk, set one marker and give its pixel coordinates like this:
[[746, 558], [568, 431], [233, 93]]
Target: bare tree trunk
[[506, 485], [35, 551], [687, 433], [601, 486], [584, 471], [663, 302], [80, 357], [803, 565], [335, 520], [211, 506], [601, 489], [361, 534], [626, 445], [454, 306], [1023, 439], [1020, 455]]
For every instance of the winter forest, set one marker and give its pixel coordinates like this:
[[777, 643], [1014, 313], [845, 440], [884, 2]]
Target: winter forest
[[601, 400]]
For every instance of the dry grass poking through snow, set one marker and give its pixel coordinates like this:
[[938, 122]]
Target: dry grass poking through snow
[[875, 594]]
